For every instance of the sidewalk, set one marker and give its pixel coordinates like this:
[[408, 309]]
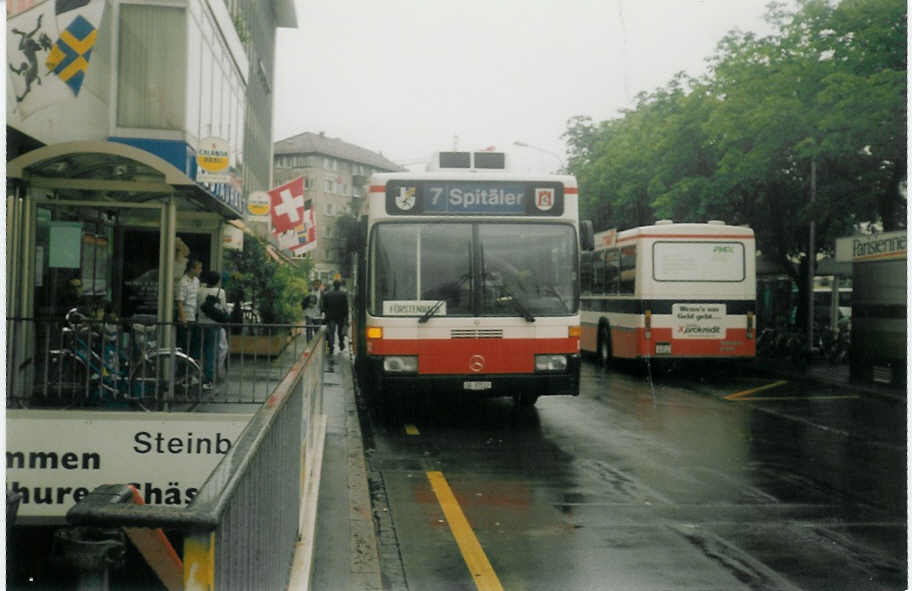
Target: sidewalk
[[344, 548], [823, 372]]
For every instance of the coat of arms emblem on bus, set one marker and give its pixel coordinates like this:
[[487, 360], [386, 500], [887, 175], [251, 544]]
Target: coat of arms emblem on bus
[[544, 199], [406, 198]]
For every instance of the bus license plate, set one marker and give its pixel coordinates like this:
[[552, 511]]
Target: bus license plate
[[663, 348], [476, 385]]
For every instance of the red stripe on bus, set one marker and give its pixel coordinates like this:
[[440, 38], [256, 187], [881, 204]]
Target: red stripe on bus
[[452, 356], [571, 191], [630, 343], [377, 189]]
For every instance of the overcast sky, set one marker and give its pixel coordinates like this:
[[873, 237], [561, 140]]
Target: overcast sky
[[407, 78]]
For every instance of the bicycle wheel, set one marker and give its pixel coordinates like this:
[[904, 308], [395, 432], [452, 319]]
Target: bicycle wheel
[[68, 379], [151, 382]]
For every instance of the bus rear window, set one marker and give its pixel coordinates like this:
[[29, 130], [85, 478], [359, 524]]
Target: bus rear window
[[698, 261]]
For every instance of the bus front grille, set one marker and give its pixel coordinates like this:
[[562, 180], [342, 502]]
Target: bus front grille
[[476, 333]]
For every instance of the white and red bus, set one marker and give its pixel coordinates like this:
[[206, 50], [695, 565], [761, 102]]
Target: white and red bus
[[468, 281], [670, 290]]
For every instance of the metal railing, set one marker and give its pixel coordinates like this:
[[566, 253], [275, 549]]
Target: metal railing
[[241, 528], [79, 363]]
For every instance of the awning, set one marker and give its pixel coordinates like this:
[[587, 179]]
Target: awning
[[115, 171]]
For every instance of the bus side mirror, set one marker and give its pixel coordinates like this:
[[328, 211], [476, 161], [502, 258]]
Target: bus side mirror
[[587, 236]]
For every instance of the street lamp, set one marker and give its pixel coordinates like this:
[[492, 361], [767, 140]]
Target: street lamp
[[544, 151]]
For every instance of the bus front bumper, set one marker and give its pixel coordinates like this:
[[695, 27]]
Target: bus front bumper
[[565, 383]]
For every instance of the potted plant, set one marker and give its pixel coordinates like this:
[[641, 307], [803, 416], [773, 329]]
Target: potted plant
[[271, 290]]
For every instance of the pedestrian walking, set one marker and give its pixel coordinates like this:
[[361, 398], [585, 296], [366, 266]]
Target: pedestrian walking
[[210, 328], [186, 301], [335, 310], [313, 308]]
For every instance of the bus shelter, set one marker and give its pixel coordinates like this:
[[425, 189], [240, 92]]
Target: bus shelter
[[96, 223]]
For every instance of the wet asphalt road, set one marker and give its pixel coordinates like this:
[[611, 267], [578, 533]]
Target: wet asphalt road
[[713, 479]]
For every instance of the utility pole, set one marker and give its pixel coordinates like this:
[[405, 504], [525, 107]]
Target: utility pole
[[812, 258]]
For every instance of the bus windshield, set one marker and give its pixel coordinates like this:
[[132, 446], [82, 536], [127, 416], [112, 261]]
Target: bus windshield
[[469, 269]]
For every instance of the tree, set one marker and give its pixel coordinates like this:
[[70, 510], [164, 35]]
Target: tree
[[275, 289], [827, 91]]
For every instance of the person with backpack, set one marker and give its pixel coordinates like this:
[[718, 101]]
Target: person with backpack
[[335, 309], [213, 311]]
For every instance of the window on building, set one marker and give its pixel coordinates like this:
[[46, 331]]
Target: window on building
[[152, 67], [328, 185], [308, 182]]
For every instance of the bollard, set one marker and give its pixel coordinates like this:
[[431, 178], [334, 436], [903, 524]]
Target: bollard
[[91, 551]]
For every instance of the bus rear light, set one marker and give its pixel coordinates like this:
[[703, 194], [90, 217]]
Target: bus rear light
[[574, 331], [647, 318], [374, 332], [750, 325], [400, 364], [550, 363]]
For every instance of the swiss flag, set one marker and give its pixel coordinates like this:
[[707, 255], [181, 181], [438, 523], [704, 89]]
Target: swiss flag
[[287, 205]]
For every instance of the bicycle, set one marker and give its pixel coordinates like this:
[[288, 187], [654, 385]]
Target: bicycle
[[107, 372]]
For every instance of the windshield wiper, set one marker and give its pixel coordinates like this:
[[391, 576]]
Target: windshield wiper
[[553, 291], [510, 298], [433, 309]]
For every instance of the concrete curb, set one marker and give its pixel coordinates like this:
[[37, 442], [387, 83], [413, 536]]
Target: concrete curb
[[365, 558]]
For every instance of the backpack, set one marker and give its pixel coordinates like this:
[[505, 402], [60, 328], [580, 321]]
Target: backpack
[[212, 308]]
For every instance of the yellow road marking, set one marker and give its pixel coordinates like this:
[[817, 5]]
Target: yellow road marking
[[852, 396], [744, 393], [411, 430], [475, 559]]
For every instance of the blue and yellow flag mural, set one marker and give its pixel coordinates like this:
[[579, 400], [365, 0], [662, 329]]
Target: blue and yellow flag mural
[[69, 57], [49, 44]]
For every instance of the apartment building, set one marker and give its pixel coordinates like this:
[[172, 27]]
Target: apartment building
[[335, 173]]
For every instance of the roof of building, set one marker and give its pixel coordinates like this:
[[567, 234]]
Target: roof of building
[[318, 143]]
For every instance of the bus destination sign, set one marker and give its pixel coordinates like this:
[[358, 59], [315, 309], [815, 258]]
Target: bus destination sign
[[474, 198]]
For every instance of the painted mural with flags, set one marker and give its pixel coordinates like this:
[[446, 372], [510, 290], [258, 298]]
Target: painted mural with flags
[[49, 45]]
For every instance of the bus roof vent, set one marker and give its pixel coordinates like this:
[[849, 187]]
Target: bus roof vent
[[484, 160], [663, 222], [716, 222]]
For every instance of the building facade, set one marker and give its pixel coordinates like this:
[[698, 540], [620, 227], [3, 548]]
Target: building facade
[[335, 173], [116, 110]]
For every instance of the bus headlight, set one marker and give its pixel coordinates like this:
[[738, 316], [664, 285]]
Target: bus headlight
[[546, 363], [400, 364]]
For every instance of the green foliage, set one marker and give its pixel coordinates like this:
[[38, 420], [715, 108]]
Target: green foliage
[[828, 89], [240, 25], [347, 234], [825, 93], [274, 289]]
